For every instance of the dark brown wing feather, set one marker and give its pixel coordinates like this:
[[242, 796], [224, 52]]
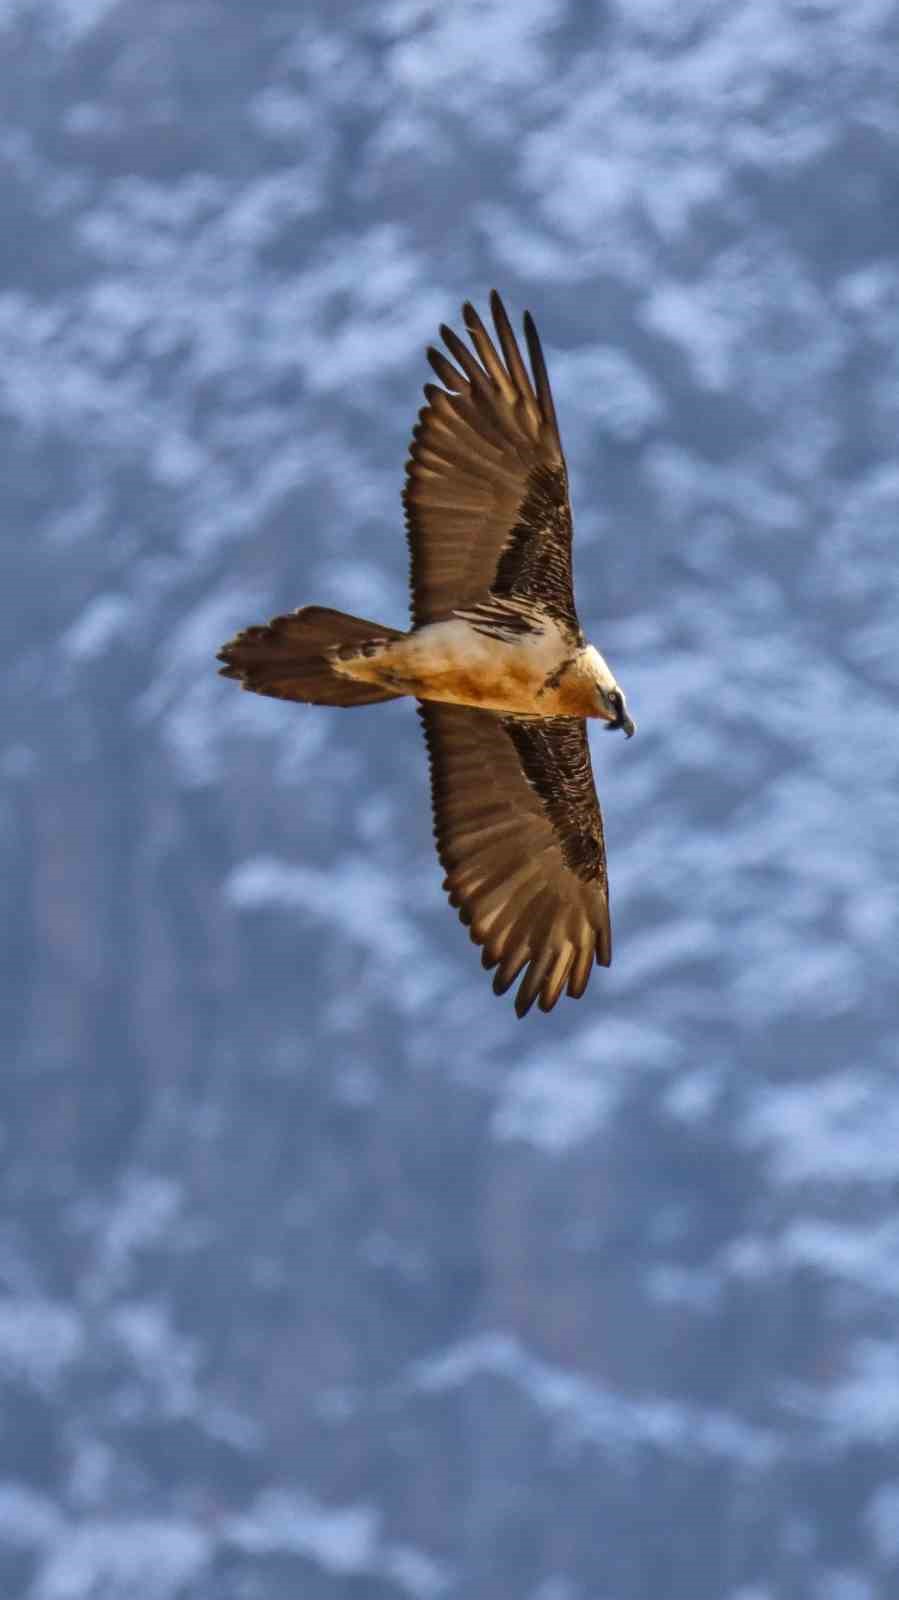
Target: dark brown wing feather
[[519, 835], [486, 496]]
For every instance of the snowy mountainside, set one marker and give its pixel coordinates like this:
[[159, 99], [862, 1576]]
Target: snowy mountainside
[[319, 1273]]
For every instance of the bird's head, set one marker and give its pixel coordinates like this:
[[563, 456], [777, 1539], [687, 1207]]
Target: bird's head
[[609, 702], [615, 712]]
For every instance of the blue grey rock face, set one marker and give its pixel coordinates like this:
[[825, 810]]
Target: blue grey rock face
[[321, 1276]]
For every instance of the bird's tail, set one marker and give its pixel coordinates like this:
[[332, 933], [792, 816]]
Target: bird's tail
[[292, 657]]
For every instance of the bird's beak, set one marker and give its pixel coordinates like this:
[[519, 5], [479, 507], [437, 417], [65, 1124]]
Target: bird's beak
[[619, 716]]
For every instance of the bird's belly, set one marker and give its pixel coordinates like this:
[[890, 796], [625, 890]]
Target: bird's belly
[[454, 661]]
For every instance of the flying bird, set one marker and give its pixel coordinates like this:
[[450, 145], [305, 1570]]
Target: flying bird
[[495, 657]]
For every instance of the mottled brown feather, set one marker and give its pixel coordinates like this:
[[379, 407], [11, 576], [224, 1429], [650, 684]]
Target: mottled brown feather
[[519, 835], [486, 496]]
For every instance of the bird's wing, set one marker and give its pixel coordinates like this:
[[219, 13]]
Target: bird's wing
[[486, 495], [519, 835]]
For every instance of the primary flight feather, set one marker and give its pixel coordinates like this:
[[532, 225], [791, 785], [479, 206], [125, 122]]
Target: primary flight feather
[[496, 658]]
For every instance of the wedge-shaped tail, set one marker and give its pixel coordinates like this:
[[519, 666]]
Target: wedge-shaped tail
[[291, 657]]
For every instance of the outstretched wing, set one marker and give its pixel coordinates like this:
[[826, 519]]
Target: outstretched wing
[[486, 496], [519, 834]]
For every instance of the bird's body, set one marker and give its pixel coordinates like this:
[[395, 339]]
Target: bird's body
[[543, 671], [496, 659]]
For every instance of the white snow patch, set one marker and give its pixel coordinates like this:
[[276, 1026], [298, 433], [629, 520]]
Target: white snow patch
[[163, 1359], [692, 1095], [98, 625], [192, 644], [669, 1283], [72, 18], [237, 1430], [555, 1102], [362, 903], [584, 1410], [143, 1214], [882, 1521], [177, 459], [344, 1541], [38, 1340], [271, 202], [556, 1588], [684, 314], [522, 246], [864, 1406], [83, 15], [467, 53], [866, 1254], [655, 955], [781, 977], [659, 19], [26, 1518], [604, 384], [153, 1558], [844, 1584], [195, 709], [844, 1128], [281, 113], [415, 1572], [554, 1105]]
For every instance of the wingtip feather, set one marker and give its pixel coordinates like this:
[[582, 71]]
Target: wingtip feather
[[524, 1000]]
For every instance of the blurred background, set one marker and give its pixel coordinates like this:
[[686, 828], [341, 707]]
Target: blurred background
[[320, 1275]]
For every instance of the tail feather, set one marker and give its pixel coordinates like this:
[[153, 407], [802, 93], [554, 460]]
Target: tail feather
[[290, 657]]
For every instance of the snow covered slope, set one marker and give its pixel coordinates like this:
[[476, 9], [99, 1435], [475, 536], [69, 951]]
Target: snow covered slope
[[320, 1275]]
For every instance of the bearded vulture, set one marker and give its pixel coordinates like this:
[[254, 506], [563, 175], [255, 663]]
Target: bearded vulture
[[496, 659]]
